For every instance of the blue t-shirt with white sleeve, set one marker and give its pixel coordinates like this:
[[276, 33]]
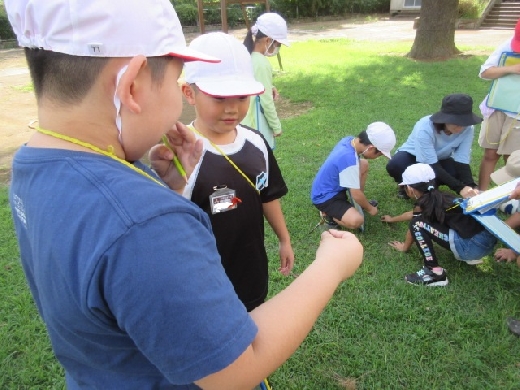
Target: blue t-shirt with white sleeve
[[339, 172], [125, 274]]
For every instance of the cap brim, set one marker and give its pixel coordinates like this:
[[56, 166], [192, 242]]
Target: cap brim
[[284, 42], [188, 54], [230, 88], [500, 176], [459, 120]]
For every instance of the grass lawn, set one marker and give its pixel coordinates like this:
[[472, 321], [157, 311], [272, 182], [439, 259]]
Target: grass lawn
[[378, 332]]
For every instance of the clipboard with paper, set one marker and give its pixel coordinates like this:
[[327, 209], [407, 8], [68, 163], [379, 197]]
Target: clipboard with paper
[[483, 208], [504, 93]]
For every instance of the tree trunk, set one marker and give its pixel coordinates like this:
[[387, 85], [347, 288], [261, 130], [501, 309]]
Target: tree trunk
[[435, 34]]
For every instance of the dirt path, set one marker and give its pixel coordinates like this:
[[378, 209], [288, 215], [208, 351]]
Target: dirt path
[[18, 105]]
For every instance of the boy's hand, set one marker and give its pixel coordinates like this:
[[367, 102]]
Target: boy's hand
[[373, 203], [276, 95], [343, 249], [387, 218], [468, 192], [286, 258], [516, 192], [187, 149], [397, 245]]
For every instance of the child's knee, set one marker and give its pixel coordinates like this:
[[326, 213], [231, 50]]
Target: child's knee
[[352, 219]]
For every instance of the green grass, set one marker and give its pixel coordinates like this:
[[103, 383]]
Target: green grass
[[26, 359], [377, 332], [24, 88]]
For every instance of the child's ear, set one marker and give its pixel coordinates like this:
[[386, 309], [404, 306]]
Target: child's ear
[[128, 81], [189, 93]]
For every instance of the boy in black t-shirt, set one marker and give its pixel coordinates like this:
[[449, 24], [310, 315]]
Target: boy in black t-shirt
[[237, 181]]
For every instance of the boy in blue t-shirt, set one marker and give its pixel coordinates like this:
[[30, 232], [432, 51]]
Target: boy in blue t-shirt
[[344, 171], [125, 272]]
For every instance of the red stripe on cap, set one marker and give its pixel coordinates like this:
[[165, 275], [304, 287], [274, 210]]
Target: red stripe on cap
[[190, 58]]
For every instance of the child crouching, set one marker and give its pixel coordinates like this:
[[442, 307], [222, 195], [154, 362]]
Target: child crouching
[[437, 217]]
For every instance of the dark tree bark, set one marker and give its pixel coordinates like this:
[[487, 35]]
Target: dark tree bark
[[435, 34]]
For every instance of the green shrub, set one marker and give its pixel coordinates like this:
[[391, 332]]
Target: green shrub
[[235, 15], [471, 9], [6, 31], [188, 14], [212, 16], [313, 8]]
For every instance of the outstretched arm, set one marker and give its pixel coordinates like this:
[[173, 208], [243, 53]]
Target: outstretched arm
[[406, 216], [359, 197], [286, 319], [403, 246]]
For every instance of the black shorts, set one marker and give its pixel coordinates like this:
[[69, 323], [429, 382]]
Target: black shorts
[[336, 206]]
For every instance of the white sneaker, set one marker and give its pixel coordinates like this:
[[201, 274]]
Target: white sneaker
[[473, 262]]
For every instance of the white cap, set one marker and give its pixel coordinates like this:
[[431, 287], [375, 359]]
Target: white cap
[[272, 25], [417, 173], [508, 172], [382, 137], [112, 28], [233, 76]]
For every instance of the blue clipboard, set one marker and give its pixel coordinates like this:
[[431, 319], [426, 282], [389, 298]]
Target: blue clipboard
[[504, 93], [483, 208]]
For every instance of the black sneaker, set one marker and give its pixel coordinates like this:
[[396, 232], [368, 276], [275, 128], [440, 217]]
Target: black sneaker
[[401, 194], [426, 277], [328, 220]]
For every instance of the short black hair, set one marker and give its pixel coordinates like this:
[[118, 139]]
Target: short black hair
[[67, 79], [439, 127], [363, 138]]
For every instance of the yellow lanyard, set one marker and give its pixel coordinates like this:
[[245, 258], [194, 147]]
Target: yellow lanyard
[[108, 153], [225, 156]]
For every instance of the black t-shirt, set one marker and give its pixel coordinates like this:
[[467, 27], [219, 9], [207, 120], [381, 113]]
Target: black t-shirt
[[465, 225], [240, 232]]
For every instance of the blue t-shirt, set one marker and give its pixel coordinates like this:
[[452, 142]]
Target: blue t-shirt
[[339, 172], [125, 274], [428, 146]]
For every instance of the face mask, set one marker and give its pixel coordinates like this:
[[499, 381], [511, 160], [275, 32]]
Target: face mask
[[363, 152], [117, 104], [275, 51]]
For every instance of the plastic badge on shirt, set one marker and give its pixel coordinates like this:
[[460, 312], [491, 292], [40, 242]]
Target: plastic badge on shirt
[[223, 199]]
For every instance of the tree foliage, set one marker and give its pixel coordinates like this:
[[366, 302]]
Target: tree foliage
[[313, 8]]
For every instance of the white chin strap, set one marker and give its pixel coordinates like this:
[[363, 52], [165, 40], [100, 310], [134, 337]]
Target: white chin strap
[[117, 104]]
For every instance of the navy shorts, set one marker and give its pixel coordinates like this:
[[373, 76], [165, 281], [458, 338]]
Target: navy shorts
[[336, 206]]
